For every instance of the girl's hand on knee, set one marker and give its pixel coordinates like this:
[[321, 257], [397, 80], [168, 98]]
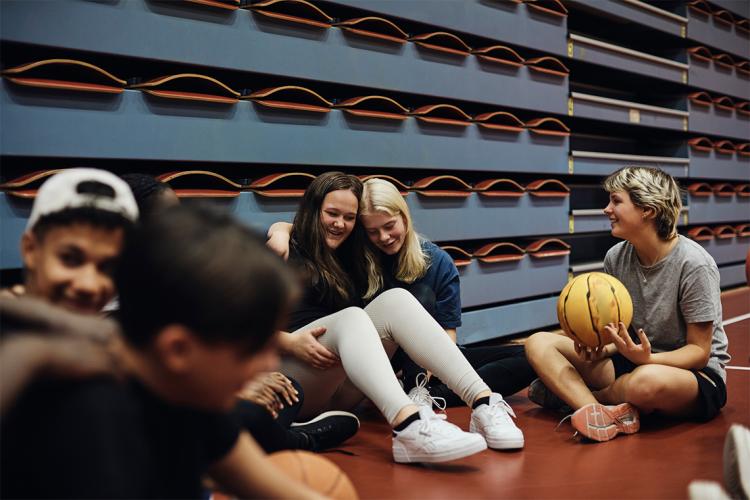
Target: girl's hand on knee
[[308, 349], [639, 354]]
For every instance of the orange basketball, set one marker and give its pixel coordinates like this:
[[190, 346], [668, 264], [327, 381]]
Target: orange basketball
[[317, 472], [588, 303]]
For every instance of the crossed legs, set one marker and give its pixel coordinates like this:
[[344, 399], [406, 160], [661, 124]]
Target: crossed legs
[[666, 389]]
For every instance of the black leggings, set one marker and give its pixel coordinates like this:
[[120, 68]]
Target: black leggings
[[272, 434], [504, 368]]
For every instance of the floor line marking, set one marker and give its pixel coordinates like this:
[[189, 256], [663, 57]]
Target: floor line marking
[[736, 319], [743, 368]]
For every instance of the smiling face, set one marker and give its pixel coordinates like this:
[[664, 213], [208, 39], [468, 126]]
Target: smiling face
[[386, 232], [72, 266], [338, 214], [626, 219]]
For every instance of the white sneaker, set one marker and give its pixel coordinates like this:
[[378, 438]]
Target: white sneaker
[[737, 462], [421, 396], [433, 439], [706, 490], [494, 423]]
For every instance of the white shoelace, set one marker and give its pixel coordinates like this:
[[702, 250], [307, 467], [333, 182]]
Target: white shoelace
[[501, 407], [421, 395], [437, 424], [427, 426], [565, 419]]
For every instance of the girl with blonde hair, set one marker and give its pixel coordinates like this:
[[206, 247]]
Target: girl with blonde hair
[[673, 361], [408, 261], [411, 261]]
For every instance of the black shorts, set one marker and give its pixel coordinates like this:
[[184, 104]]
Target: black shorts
[[712, 391]]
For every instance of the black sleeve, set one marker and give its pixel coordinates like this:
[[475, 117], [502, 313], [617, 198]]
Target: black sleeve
[[221, 434], [58, 442]]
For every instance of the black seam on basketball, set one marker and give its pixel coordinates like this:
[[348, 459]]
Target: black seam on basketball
[[335, 483], [565, 312], [617, 302], [301, 467], [591, 316]]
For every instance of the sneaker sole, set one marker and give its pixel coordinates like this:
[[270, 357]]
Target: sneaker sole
[[332, 413], [402, 457], [600, 423], [500, 444]]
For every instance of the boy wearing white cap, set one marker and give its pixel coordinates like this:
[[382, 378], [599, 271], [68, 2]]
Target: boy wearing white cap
[[73, 237]]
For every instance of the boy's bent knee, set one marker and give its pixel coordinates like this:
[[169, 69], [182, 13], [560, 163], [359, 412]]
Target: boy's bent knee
[[646, 386], [537, 343]]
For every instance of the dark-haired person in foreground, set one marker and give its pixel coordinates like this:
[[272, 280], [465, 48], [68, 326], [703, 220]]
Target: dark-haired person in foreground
[[201, 300], [268, 406]]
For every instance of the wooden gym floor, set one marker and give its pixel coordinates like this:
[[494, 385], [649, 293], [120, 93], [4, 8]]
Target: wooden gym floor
[[658, 462]]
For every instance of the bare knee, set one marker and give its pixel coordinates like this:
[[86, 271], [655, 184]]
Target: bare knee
[[538, 345], [645, 387]]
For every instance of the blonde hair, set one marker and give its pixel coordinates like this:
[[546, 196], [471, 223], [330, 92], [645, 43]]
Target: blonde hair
[[380, 195], [650, 188]]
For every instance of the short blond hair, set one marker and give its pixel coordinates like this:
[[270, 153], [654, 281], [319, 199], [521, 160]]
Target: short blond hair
[[379, 195], [650, 188]]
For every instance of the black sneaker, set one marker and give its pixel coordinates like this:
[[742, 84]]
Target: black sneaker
[[539, 394], [328, 429]]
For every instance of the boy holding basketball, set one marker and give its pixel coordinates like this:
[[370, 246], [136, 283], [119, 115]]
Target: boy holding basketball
[[674, 364]]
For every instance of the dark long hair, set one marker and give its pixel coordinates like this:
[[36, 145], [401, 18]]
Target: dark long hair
[[340, 276]]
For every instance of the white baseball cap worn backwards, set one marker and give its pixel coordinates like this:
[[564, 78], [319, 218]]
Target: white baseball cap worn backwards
[[63, 191]]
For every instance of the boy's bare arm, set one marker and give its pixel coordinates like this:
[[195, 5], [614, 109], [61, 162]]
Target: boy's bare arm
[[246, 472]]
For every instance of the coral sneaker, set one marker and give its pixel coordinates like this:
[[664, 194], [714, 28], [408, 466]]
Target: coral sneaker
[[602, 423]]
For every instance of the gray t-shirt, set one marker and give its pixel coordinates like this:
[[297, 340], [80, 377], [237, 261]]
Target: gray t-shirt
[[681, 288]]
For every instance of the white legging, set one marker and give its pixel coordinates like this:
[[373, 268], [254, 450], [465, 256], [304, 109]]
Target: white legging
[[364, 340]]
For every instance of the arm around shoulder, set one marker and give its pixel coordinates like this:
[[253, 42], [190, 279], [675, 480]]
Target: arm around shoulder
[[278, 238]]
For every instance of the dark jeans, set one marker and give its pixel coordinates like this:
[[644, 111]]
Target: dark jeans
[[504, 368], [272, 434]]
